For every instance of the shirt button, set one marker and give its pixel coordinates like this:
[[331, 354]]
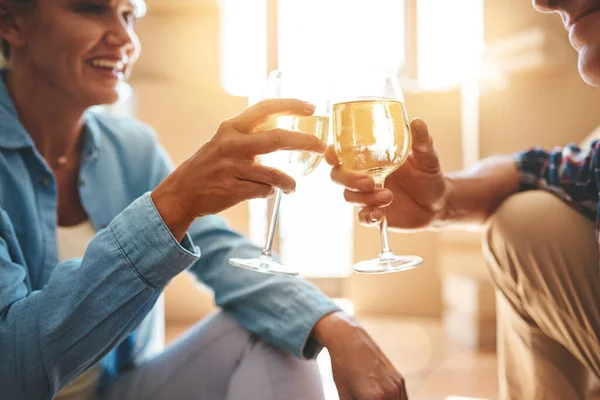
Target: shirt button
[[81, 183], [45, 182]]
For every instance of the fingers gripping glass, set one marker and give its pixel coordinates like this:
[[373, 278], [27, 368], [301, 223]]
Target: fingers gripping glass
[[293, 163], [372, 135]]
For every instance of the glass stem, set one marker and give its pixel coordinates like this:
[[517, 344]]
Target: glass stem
[[266, 253], [383, 228]]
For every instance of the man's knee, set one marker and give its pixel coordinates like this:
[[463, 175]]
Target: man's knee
[[523, 225], [532, 229]]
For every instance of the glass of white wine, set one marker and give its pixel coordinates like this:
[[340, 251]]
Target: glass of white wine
[[294, 163], [372, 135]]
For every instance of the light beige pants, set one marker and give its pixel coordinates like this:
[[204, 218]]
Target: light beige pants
[[543, 258]]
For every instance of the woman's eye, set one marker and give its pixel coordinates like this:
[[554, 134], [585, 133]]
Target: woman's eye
[[130, 17]]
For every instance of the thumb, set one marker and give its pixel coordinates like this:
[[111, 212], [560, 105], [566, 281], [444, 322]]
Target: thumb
[[331, 158], [423, 151], [422, 142]]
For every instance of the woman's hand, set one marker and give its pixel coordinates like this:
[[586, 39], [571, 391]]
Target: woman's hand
[[360, 369], [224, 173]]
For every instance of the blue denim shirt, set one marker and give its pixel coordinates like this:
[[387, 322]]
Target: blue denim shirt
[[58, 319]]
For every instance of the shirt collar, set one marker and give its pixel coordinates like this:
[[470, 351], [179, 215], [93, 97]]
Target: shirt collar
[[12, 133], [92, 131]]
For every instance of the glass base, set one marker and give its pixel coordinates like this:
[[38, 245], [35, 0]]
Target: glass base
[[387, 263], [265, 265]]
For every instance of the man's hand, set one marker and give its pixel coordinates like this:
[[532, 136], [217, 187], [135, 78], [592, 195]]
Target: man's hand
[[360, 369], [414, 195]]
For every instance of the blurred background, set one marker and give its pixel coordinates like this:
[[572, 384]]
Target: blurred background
[[488, 77]]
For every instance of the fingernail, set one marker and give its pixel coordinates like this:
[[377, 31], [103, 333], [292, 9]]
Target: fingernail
[[323, 147], [309, 106], [383, 196], [365, 184], [373, 216]]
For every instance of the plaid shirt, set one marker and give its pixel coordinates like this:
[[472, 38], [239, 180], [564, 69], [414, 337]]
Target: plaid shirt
[[569, 172]]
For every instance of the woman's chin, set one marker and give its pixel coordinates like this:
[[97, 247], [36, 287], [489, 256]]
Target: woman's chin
[[102, 97]]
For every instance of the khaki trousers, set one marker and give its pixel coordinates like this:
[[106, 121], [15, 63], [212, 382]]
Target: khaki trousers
[[543, 259]]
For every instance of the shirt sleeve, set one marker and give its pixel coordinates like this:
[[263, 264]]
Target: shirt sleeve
[[281, 310], [49, 336], [568, 172]]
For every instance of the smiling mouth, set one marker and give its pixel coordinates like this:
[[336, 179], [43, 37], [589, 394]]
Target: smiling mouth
[[117, 67]]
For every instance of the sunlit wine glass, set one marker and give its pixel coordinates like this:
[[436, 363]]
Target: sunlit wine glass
[[372, 134], [294, 163]]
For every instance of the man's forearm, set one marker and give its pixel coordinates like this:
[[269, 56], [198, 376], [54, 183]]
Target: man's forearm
[[475, 193]]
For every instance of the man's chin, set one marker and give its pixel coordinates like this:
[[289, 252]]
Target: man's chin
[[589, 65]]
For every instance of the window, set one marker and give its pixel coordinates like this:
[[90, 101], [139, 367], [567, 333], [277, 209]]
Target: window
[[338, 35], [449, 42], [329, 35], [243, 56], [438, 43]]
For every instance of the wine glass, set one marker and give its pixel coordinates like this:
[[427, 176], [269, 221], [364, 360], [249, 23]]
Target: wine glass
[[294, 163], [372, 134]]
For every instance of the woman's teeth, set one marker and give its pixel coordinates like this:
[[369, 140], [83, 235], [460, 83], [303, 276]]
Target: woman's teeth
[[111, 64]]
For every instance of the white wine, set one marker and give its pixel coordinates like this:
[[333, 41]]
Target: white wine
[[371, 136], [295, 163]]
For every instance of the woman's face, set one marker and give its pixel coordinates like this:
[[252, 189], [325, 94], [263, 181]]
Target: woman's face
[[81, 48]]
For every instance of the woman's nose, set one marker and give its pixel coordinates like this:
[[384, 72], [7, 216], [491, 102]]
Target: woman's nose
[[119, 35]]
